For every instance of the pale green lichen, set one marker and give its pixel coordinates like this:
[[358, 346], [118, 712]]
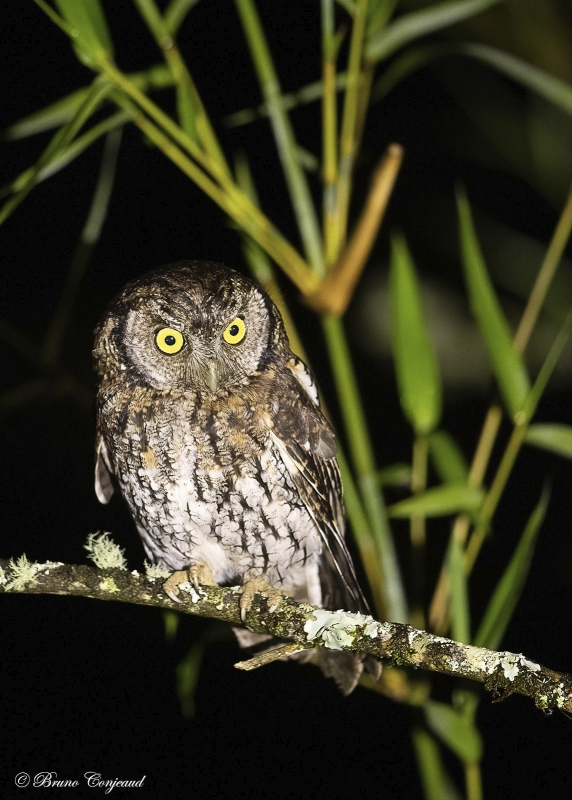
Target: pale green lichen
[[188, 587], [22, 573], [109, 585], [104, 553], [512, 662], [155, 573], [336, 629], [3, 578]]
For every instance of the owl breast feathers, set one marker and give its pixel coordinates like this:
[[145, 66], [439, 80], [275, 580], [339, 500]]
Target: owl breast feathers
[[212, 430]]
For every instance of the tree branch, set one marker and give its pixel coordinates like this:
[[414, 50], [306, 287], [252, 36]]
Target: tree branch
[[503, 673]]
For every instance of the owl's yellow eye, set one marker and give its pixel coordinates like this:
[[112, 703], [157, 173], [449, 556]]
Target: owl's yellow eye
[[169, 341], [235, 332]]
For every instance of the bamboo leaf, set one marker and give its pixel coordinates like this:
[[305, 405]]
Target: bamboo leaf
[[546, 370], [176, 12], [413, 26], [447, 458], [378, 15], [395, 475], [62, 110], [440, 501], [546, 85], [49, 117], [87, 17], [418, 378], [66, 156], [187, 673], [509, 588], [431, 770], [406, 64], [460, 614], [507, 362], [551, 436], [349, 5], [171, 622], [456, 730], [59, 143]]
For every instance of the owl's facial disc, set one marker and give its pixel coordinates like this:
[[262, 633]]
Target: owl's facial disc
[[198, 337]]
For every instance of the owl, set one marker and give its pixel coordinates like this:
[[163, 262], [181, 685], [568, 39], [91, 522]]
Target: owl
[[211, 428]]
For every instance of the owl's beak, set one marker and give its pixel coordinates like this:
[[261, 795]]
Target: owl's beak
[[211, 377], [204, 371]]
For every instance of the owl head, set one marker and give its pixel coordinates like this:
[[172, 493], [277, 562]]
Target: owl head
[[192, 324]]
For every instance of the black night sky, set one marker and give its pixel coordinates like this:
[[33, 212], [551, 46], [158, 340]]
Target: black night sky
[[90, 686]]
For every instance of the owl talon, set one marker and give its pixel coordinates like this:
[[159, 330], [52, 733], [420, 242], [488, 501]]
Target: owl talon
[[173, 596], [258, 586], [197, 574], [171, 585], [200, 573]]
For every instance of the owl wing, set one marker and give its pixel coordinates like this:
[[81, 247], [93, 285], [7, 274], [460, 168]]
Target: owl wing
[[307, 445], [103, 472]]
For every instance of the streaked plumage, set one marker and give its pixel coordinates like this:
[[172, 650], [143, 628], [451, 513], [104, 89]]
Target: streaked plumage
[[212, 429]]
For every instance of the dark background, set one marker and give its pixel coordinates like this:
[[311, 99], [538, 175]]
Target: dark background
[[91, 686]]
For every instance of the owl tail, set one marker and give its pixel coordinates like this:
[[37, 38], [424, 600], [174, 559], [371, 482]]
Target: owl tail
[[346, 668]]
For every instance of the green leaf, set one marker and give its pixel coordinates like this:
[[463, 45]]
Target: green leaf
[[506, 361], [49, 117], [59, 143], [171, 622], [546, 85], [349, 5], [60, 112], [406, 64], [378, 15], [447, 458], [546, 370], [187, 675], [67, 155], [418, 378], [176, 12], [452, 498], [395, 475], [509, 588], [420, 23], [87, 17], [551, 436], [456, 730], [431, 770], [460, 614]]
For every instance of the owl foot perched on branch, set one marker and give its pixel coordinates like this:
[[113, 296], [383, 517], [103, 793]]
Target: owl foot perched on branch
[[259, 586], [197, 574]]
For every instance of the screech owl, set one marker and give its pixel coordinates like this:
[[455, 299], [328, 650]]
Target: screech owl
[[212, 430]]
